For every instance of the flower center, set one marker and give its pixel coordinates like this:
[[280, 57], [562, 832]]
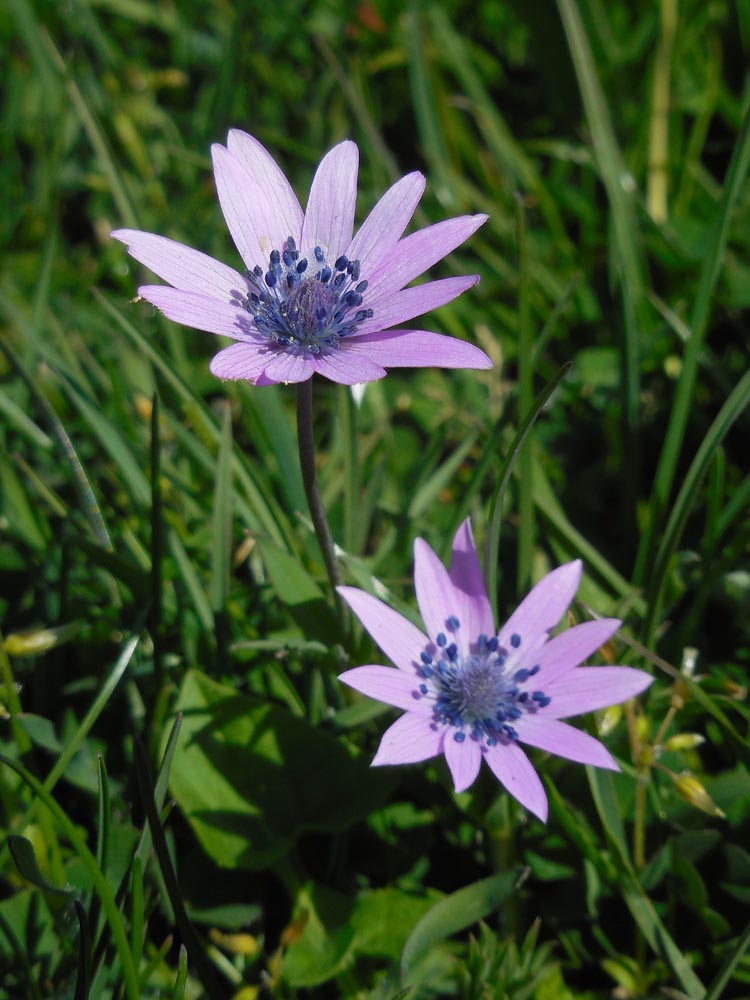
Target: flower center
[[306, 304], [482, 692]]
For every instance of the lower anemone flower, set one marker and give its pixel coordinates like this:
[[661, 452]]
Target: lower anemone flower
[[475, 694], [314, 297]]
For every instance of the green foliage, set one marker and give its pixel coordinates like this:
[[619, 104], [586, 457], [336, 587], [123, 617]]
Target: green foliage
[[496, 969], [156, 556]]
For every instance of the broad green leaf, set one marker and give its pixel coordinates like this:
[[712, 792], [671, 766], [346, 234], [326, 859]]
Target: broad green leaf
[[326, 945], [296, 589], [251, 778], [455, 913]]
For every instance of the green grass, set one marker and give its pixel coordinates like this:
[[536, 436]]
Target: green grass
[[156, 553]]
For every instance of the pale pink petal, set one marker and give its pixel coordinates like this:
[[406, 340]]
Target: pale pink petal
[[240, 361], [514, 771], [570, 648], [401, 306], [464, 760], [329, 217], [284, 367], [392, 686], [182, 266], [543, 607], [201, 312], [417, 349], [473, 607], [245, 208], [387, 221], [410, 739], [435, 595], [277, 211], [564, 741], [347, 369], [416, 253], [587, 689], [401, 641]]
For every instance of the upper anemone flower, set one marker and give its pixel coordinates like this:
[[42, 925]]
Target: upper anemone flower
[[473, 693], [314, 297]]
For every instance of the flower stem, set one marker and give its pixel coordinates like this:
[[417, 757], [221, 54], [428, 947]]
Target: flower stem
[[306, 446]]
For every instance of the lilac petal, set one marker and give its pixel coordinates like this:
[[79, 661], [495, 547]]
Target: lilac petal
[[240, 361], [564, 741], [392, 686], [182, 266], [416, 253], [387, 221], [410, 739], [201, 312], [570, 648], [514, 771], [543, 607], [411, 302], [244, 204], [474, 610], [435, 593], [464, 760], [329, 218], [418, 349], [277, 211], [347, 370], [587, 689], [401, 641], [287, 368]]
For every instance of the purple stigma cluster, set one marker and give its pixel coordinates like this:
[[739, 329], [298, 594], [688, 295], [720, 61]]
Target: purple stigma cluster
[[306, 303], [479, 694]]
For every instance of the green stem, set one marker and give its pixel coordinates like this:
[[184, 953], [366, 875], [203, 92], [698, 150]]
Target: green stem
[[306, 445]]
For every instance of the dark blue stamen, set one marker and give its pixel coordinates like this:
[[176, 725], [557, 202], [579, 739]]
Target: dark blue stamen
[[473, 693], [294, 310]]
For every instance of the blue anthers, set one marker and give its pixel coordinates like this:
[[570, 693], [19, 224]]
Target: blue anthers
[[474, 692], [297, 307]]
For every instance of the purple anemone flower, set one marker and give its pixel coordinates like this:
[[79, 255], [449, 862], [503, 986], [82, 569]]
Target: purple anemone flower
[[313, 297], [473, 693]]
